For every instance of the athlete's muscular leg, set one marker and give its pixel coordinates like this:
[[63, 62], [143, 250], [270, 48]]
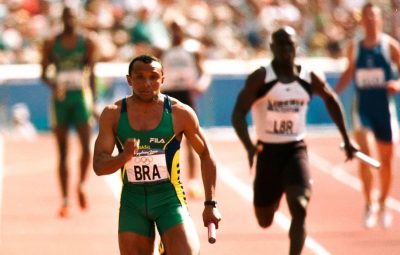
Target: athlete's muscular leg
[[135, 244], [362, 137], [61, 134], [182, 239], [84, 134], [265, 214], [385, 151], [297, 199]]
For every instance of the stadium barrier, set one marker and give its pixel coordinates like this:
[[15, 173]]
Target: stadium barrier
[[22, 84]]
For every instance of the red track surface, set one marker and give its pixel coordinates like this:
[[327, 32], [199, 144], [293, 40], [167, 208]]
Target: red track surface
[[29, 222]]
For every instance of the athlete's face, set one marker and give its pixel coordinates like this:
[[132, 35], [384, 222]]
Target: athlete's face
[[69, 19], [145, 80], [284, 46], [372, 18]]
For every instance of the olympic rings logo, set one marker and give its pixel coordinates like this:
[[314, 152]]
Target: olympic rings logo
[[143, 160]]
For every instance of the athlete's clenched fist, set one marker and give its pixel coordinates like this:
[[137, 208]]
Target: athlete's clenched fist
[[131, 147]]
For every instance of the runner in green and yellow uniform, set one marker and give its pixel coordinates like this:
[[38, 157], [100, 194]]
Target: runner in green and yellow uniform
[[72, 85], [147, 128]]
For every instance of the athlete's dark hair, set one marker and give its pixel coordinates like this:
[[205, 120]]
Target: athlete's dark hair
[[369, 5], [145, 59]]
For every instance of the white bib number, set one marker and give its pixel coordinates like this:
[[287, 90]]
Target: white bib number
[[148, 168], [368, 78], [282, 123], [70, 80]]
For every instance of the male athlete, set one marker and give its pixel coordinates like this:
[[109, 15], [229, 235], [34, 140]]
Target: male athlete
[[374, 113], [278, 96], [73, 56], [147, 128]]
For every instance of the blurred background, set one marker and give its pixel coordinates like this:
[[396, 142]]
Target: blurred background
[[232, 36]]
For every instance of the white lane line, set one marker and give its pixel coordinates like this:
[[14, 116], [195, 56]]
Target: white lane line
[[344, 177], [115, 184], [247, 193]]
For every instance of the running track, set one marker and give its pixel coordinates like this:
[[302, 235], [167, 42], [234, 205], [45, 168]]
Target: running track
[[30, 199]]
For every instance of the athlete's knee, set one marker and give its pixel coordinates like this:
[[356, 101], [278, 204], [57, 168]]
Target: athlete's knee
[[265, 216], [298, 199], [265, 222]]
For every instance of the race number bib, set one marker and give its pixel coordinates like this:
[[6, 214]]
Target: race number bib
[[70, 80], [147, 168], [369, 78], [282, 123]]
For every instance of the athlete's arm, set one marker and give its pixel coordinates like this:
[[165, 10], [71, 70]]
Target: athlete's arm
[[347, 75], [186, 122], [335, 110], [394, 86], [103, 160], [91, 61], [247, 96], [46, 61]]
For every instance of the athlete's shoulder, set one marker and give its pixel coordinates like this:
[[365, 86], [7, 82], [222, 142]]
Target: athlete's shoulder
[[113, 109], [49, 41], [258, 75], [390, 40], [178, 106]]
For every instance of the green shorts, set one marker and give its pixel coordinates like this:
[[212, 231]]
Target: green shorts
[[144, 206], [74, 109]]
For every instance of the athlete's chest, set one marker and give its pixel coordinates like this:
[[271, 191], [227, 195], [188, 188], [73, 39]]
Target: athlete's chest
[[284, 94]]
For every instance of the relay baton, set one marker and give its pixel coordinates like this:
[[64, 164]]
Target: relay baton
[[365, 158], [212, 233]]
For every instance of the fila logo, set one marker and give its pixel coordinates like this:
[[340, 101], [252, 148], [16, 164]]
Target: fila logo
[[156, 140]]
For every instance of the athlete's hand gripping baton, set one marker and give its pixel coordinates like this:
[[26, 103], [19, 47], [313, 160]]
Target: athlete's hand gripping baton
[[365, 158]]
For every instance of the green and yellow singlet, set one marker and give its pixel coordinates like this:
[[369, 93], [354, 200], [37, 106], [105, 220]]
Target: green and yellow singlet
[[157, 160]]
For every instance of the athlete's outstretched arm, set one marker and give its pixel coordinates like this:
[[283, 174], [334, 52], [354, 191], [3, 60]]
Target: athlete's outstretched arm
[[187, 123], [244, 101], [103, 161], [335, 110], [347, 75]]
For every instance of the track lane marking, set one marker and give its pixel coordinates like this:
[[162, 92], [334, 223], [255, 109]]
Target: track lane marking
[[344, 177], [246, 192]]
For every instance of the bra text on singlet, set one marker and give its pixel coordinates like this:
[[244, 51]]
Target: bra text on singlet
[[146, 173]]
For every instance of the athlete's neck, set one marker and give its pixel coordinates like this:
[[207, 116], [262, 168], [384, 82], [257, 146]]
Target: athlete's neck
[[372, 38], [137, 99], [286, 68]]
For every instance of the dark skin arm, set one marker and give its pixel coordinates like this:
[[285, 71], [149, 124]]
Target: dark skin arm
[[335, 110], [90, 63], [46, 61], [247, 96], [186, 124], [104, 162]]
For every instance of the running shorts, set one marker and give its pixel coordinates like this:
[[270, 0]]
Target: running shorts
[[278, 167], [74, 109], [145, 205]]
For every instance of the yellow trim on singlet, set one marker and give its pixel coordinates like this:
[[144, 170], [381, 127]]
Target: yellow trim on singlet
[[123, 170], [52, 110], [175, 179], [175, 174]]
